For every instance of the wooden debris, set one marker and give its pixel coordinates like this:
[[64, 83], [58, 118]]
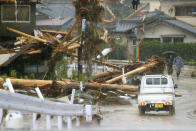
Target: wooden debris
[[68, 84], [140, 69], [27, 35], [107, 64], [103, 74], [74, 47], [54, 32], [137, 11], [111, 13], [71, 30]]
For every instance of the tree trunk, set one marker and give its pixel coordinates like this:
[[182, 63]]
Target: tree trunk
[[69, 84], [138, 70]]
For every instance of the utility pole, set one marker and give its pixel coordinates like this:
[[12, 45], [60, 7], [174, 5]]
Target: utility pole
[[83, 26]]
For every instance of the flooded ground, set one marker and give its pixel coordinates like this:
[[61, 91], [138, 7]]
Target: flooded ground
[[127, 117]]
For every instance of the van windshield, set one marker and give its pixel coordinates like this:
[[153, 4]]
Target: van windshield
[[156, 81]]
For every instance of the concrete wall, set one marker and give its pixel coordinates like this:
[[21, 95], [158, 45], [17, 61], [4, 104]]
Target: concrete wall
[[167, 6], [24, 27], [164, 29]]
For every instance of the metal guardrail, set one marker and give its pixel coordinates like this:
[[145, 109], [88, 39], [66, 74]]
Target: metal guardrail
[[28, 103], [20, 102]]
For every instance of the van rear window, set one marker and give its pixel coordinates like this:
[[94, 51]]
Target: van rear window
[[156, 81]]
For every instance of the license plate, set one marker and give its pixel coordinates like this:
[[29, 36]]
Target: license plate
[[158, 105]]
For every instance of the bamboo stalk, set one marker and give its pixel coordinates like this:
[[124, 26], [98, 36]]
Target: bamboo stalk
[[27, 35], [140, 69]]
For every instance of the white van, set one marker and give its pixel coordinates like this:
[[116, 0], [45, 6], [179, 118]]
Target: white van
[[156, 93]]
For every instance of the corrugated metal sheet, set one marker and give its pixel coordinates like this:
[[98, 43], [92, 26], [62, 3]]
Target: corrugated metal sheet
[[5, 57], [181, 25]]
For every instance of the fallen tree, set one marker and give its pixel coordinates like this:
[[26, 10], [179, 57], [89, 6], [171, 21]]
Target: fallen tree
[[67, 84]]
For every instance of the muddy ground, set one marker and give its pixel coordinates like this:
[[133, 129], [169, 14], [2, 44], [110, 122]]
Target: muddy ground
[[126, 117]]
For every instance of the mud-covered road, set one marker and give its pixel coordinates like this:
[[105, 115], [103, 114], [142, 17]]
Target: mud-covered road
[[127, 117]]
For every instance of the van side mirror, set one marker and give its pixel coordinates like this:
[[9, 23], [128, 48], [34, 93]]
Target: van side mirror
[[175, 86]]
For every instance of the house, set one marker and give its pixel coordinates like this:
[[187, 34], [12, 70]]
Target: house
[[184, 10], [18, 14], [153, 26]]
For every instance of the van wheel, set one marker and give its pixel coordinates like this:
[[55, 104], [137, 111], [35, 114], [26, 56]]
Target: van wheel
[[171, 111], [142, 111]]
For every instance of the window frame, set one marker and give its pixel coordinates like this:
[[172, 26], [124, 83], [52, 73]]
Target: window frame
[[185, 9], [154, 81], [16, 21]]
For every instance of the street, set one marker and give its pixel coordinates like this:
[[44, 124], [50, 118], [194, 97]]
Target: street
[[127, 117]]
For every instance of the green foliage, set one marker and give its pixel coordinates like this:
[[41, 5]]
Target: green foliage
[[149, 48], [26, 77], [82, 77], [119, 52], [192, 62], [4, 77], [32, 76], [61, 68], [13, 73]]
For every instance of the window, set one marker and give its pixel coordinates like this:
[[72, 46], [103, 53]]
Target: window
[[178, 39], [151, 39], [185, 10], [156, 81], [12, 13], [173, 39], [167, 39]]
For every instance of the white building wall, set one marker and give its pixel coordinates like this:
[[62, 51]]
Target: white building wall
[[164, 29]]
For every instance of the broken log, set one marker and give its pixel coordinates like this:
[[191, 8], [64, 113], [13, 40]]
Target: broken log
[[103, 74], [137, 11], [54, 32], [100, 62], [27, 35], [68, 84], [74, 47], [111, 13], [107, 64], [33, 52], [71, 30], [72, 41], [137, 70], [107, 21]]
